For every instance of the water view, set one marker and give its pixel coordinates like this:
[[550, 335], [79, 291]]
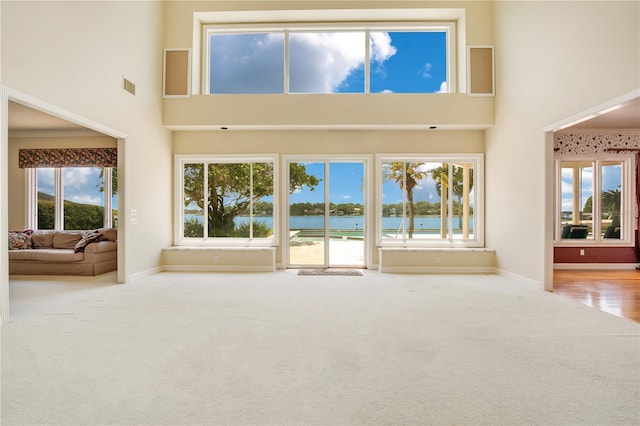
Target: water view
[[345, 222]]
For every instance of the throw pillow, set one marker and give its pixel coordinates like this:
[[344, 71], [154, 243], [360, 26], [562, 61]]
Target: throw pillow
[[109, 234], [66, 239], [20, 240], [87, 239], [42, 240]]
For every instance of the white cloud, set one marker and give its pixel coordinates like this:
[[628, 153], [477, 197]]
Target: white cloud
[[46, 180], [86, 199], [346, 197], [319, 62], [387, 91], [443, 87], [81, 185], [425, 71], [381, 47], [247, 63]]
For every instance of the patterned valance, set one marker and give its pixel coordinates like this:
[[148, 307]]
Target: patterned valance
[[587, 143], [68, 157]]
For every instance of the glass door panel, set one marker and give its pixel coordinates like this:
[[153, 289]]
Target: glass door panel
[[611, 199], [346, 214], [307, 214], [326, 214]]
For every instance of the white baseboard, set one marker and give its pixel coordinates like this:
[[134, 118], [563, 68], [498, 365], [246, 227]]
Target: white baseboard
[[438, 270], [611, 266], [216, 268], [144, 274], [520, 278]]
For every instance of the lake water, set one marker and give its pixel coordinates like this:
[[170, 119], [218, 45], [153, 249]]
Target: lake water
[[345, 222]]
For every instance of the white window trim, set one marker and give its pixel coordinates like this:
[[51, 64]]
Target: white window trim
[[450, 27], [456, 15], [478, 200], [31, 191], [628, 190], [178, 236]]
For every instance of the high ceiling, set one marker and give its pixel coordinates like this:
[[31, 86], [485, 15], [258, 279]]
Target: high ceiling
[[23, 119]]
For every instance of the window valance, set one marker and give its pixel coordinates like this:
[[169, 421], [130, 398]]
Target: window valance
[[68, 157]]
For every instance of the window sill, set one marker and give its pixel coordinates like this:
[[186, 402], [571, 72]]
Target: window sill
[[591, 243], [219, 248], [435, 249]]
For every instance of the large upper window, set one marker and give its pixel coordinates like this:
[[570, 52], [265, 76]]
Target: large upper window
[[229, 198], [363, 58], [431, 200], [594, 200]]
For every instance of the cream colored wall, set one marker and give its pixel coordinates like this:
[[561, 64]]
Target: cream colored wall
[[330, 142], [17, 197], [408, 110], [73, 55], [179, 14], [553, 60]]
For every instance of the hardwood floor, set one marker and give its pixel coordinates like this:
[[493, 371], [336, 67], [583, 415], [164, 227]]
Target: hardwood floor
[[615, 292]]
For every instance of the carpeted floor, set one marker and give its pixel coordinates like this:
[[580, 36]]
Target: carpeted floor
[[277, 348]]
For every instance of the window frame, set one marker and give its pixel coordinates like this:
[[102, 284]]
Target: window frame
[[31, 192], [450, 27], [179, 239], [628, 207], [478, 201]]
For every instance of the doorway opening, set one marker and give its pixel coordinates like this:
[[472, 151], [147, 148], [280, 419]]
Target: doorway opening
[[35, 117], [326, 216]]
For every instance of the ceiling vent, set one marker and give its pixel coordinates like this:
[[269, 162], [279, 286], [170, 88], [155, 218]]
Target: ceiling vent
[[128, 86]]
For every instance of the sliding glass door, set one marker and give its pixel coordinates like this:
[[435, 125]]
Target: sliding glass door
[[326, 213]]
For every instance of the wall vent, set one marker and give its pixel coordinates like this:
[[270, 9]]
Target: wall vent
[[128, 86]]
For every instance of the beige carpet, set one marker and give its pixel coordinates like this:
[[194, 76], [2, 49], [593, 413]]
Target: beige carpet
[[276, 348]]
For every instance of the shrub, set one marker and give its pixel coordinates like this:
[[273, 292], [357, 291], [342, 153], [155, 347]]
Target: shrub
[[193, 228]]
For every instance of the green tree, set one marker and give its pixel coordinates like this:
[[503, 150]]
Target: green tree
[[82, 216], [441, 177], [611, 204], [46, 214], [114, 181], [407, 175], [231, 190]]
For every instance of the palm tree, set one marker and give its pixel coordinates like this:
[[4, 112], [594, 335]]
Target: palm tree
[[440, 175], [407, 176], [611, 204]]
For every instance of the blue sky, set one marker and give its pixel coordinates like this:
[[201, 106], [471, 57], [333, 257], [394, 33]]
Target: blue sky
[[329, 62], [611, 179], [346, 186], [80, 185]]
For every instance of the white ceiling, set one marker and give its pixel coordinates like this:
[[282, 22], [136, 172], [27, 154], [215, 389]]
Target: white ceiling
[[622, 117], [25, 120]]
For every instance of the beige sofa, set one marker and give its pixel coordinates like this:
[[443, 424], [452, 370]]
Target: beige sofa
[[64, 252]]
